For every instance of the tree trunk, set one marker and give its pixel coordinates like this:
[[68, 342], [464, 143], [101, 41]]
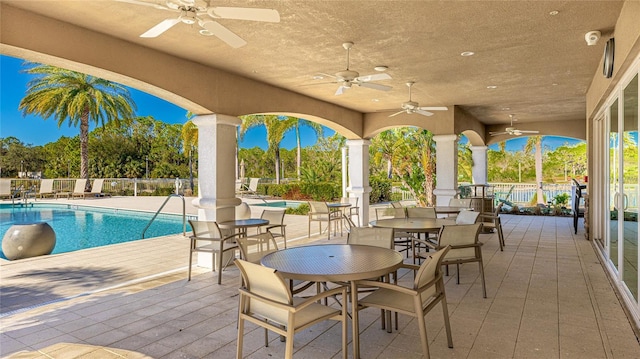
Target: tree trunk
[[84, 147], [277, 158], [389, 168]]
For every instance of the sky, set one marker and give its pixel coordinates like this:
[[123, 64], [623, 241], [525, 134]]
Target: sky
[[33, 130]]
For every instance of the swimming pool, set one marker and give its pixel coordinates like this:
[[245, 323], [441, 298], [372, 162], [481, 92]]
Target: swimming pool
[[279, 204], [80, 227]]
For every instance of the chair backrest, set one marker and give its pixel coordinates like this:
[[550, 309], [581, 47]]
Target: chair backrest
[[205, 229], [370, 236], [96, 187], [81, 184], [353, 201], [421, 212], [253, 248], [349, 222], [243, 211], [467, 217], [253, 184], [460, 202], [318, 207], [268, 283], [5, 187], [46, 186], [429, 270], [459, 235], [396, 204], [390, 212], [273, 216]]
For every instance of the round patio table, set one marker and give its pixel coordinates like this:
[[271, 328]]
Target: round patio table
[[243, 224], [450, 209], [413, 224], [336, 263]]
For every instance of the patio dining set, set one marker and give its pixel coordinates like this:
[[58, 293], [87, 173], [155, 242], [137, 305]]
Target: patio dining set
[[277, 285]]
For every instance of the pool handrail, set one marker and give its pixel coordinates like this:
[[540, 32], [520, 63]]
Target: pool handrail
[[184, 214]]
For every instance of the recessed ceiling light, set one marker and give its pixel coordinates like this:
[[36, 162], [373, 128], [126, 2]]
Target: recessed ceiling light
[[492, 87], [318, 77], [375, 100], [468, 53], [554, 84], [381, 68], [554, 12], [206, 32], [506, 108]]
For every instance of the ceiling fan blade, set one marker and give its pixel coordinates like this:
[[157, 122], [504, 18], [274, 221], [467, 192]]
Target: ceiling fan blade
[[224, 34], [397, 113], [423, 112], [435, 108], [136, 2], [244, 13], [498, 133], [526, 131], [327, 75], [375, 86], [374, 77], [340, 90], [160, 28]]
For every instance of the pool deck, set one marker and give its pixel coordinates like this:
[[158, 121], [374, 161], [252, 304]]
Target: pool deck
[[548, 297]]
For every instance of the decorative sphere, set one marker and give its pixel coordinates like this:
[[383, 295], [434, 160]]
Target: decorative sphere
[[28, 240]]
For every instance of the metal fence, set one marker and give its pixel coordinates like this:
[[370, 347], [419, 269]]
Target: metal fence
[[117, 186]]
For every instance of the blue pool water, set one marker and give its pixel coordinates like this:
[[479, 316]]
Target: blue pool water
[[279, 204], [80, 227]]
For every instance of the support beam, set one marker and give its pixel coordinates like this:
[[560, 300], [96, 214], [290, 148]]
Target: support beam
[[479, 169], [359, 176], [446, 168]]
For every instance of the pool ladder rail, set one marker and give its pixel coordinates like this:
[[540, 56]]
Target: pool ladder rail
[[184, 214]]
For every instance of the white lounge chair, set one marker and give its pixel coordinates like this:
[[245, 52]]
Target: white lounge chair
[[96, 189], [46, 188], [78, 190]]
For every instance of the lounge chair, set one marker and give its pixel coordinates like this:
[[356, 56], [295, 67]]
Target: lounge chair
[[96, 189], [252, 189], [78, 190], [46, 188], [5, 189]]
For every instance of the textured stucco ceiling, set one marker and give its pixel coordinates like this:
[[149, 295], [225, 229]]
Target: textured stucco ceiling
[[539, 62]]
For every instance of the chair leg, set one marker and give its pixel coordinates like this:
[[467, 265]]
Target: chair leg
[[288, 352], [190, 260], [457, 273], [500, 236], [220, 266], [447, 325], [422, 326], [484, 287], [240, 336]]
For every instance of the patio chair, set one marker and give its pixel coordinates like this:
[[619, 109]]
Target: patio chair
[[349, 223], [401, 238], [354, 210], [253, 248], [467, 217], [216, 244], [320, 212], [267, 301], [421, 212], [276, 224], [460, 202], [465, 248], [427, 291], [493, 222], [78, 189], [252, 189], [96, 189], [46, 188]]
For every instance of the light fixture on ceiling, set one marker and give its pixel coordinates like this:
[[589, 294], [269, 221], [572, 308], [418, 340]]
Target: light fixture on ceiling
[[375, 100], [381, 68], [188, 17], [592, 37], [506, 108], [318, 77], [467, 53], [491, 87], [554, 12]]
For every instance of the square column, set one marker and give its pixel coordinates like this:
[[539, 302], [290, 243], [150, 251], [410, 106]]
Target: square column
[[359, 176], [479, 169], [446, 168], [216, 171]]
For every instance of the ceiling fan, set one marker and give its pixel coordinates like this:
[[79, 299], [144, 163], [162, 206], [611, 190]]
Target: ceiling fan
[[348, 78], [413, 107], [512, 131], [192, 11]]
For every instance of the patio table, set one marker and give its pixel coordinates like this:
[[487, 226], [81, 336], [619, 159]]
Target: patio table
[[336, 263], [450, 209], [414, 225], [243, 224]]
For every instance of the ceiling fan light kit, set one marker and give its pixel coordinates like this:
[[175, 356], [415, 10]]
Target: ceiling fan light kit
[[411, 107]]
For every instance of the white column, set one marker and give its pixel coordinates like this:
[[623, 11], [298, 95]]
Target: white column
[[345, 169], [446, 168], [216, 167], [359, 176], [479, 169]]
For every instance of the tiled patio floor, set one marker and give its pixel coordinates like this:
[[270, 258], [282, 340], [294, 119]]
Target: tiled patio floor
[[548, 297]]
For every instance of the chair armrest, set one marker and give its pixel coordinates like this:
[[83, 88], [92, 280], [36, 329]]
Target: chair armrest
[[341, 290], [479, 244], [275, 226], [390, 286], [427, 243]]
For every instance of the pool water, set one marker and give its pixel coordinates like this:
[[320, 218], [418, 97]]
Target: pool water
[[81, 227], [279, 204]]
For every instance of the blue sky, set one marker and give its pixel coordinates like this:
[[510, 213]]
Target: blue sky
[[33, 130]]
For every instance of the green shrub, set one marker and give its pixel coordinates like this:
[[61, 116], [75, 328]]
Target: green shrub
[[302, 209], [561, 199], [380, 189], [321, 191]]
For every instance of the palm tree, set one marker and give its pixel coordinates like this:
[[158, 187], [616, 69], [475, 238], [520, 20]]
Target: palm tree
[[304, 123], [535, 143], [189, 142], [80, 98], [276, 128]]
